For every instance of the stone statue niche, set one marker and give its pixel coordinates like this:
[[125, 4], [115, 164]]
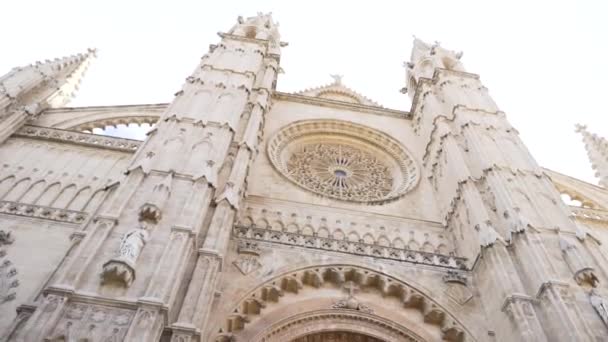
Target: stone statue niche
[[121, 268]]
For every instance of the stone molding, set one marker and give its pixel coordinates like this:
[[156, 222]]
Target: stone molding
[[317, 277], [350, 247], [79, 138], [42, 212], [303, 324], [588, 214], [316, 101]]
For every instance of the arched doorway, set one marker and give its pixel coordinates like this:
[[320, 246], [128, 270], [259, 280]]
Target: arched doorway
[[337, 336], [323, 302]]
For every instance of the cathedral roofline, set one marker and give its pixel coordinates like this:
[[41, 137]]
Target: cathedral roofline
[[341, 104]]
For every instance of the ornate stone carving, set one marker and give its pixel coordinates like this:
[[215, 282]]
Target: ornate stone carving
[[122, 267], [248, 259], [81, 321], [600, 304], [455, 277], [41, 212], [358, 248], [582, 271], [456, 287], [343, 161], [350, 302], [340, 171], [306, 326], [8, 273], [79, 138]]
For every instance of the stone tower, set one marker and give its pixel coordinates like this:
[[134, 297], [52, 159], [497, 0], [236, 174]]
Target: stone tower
[[250, 214]]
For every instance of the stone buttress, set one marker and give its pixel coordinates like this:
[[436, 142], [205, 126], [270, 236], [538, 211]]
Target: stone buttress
[[149, 259], [501, 209]]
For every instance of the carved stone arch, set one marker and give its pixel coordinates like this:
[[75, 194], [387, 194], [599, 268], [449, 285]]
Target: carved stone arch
[[93, 200], [383, 241], [5, 185], [246, 221], [278, 226], [48, 196], [398, 243], [353, 236], [17, 189], [308, 230], [80, 199], [428, 247], [413, 245], [262, 223], [86, 119], [308, 291], [292, 228], [369, 239], [323, 232], [338, 234], [33, 192], [344, 324], [65, 196]]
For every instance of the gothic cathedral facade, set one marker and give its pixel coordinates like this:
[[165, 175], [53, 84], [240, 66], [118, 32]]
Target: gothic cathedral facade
[[250, 214]]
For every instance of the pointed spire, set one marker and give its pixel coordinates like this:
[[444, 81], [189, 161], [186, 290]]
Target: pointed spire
[[61, 75], [26, 92], [597, 150]]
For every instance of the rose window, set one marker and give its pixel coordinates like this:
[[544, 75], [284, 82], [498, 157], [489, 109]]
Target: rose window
[[343, 161]]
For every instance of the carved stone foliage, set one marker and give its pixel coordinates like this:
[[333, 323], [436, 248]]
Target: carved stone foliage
[[87, 322], [8, 273], [357, 248], [248, 259], [41, 212], [344, 161], [86, 139], [348, 277]]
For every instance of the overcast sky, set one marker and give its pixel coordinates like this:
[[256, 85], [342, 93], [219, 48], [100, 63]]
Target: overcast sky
[[544, 62]]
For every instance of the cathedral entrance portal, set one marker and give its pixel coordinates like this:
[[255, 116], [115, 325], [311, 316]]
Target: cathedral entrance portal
[[337, 336]]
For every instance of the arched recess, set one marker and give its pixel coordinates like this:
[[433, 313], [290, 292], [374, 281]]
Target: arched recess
[[307, 294]]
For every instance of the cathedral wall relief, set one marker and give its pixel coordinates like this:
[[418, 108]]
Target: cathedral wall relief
[[407, 194], [24, 265], [344, 225], [46, 174]]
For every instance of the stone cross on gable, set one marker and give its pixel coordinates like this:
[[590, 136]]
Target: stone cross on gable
[[351, 288]]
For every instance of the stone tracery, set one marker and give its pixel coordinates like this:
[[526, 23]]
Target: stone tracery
[[340, 171], [344, 161]]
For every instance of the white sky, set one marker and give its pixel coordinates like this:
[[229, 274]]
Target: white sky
[[544, 62]]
